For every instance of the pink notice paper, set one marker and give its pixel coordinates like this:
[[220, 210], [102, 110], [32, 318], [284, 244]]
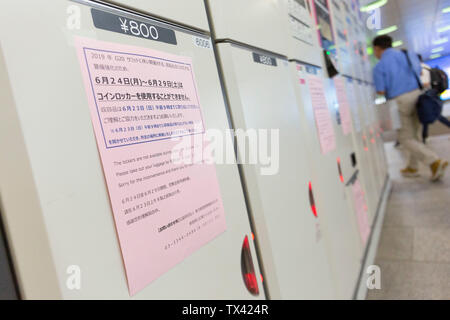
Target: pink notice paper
[[321, 114], [140, 101], [361, 211], [344, 106]]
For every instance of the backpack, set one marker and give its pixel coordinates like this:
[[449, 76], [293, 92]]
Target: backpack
[[439, 80], [429, 106]]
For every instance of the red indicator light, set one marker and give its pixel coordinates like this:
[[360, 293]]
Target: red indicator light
[[253, 236], [314, 210], [341, 176], [247, 268], [311, 201], [262, 279]]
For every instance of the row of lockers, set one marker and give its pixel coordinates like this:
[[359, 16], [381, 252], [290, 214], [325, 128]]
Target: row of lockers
[[300, 233]]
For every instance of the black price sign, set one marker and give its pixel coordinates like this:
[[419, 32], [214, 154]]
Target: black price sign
[[260, 58], [124, 25]]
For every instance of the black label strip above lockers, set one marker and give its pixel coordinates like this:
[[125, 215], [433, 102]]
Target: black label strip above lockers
[[259, 55], [132, 27]]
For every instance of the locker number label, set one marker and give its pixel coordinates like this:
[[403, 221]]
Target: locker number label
[[132, 27], [202, 42]]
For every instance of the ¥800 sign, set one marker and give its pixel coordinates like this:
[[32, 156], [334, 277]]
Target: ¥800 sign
[[132, 27]]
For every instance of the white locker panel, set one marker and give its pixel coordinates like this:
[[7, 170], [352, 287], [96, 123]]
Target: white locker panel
[[362, 51], [62, 212], [342, 37], [285, 27], [369, 137], [376, 139], [358, 49], [258, 23], [348, 171], [332, 204], [301, 35], [367, 69], [191, 13], [348, 145], [362, 147], [289, 234], [351, 29]]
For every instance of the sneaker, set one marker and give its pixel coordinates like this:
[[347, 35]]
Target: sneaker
[[438, 169], [409, 172], [442, 170]]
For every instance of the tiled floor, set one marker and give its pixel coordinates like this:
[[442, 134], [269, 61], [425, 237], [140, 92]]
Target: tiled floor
[[414, 248]]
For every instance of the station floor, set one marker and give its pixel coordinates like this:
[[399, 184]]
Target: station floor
[[414, 247]]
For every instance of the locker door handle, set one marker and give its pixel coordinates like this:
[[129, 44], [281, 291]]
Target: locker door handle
[[247, 268]]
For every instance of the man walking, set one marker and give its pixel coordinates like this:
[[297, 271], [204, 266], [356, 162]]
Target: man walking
[[395, 79]]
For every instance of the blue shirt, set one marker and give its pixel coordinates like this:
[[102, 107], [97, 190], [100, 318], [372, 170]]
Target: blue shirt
[[393, 75]]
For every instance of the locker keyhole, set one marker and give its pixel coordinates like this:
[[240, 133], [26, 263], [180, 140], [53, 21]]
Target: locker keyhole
[[353, 159]]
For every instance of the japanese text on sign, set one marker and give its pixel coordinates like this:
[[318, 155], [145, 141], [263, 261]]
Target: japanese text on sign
[[141, 101]]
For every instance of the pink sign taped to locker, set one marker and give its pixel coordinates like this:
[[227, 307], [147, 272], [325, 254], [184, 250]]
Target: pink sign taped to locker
[[141, 103], [322, 115], [344, 106], [361, 211]]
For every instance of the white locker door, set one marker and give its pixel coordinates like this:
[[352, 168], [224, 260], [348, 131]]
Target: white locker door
[[55, 200], [381, 161], [353, 46], [362, 174], [374, 147], [288, 232], [350, 33], [261, 24], [368, 136], [348, 171], [342, 37], [332, 206], [300, 34], [361, 148], [191, 13]]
